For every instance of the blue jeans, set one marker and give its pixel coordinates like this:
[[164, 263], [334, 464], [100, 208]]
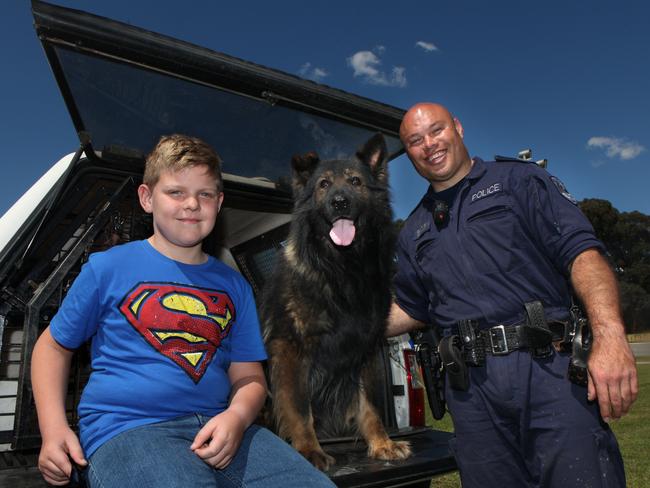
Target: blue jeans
[[159, 456], [523, 423]]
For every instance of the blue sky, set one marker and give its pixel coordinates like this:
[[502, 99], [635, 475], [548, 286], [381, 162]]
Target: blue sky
[[568, 79]]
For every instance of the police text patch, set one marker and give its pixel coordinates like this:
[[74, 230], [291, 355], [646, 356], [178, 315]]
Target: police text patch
[[490, 190]]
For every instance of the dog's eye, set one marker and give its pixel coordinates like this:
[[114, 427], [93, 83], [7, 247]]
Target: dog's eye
[[324, 184], [355, 180]]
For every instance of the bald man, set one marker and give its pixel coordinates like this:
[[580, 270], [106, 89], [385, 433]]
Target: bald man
[[491, 255]]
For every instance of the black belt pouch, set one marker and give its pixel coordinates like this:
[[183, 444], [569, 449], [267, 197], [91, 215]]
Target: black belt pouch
[[453, 363]]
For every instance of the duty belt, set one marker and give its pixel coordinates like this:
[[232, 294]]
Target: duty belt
[[468, 345], [536, 334], [503, 339]]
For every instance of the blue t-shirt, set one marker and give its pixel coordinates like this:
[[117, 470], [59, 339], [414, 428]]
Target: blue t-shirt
[[512, 232], [163, 336]]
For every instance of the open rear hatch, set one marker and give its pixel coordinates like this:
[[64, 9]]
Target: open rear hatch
[[125, 86]]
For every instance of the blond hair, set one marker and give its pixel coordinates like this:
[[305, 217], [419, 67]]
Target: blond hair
[[176, 152]]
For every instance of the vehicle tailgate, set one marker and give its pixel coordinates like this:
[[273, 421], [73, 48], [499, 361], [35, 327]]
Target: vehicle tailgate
[[431, 456]]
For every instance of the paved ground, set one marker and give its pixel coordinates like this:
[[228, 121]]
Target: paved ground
[[641, 348]]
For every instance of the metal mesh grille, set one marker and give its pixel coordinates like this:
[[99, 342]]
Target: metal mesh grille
[[257, 257], [18, 421]]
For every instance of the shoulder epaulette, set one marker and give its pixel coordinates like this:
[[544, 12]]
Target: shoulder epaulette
[[502, 159], [542, 163]]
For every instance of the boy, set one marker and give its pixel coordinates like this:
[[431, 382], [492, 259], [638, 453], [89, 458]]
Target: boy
[[176, 378]]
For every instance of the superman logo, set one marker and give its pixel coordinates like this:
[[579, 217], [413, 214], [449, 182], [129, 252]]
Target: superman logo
[[184, 323]]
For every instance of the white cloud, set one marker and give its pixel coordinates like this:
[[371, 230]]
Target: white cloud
[[616, 147], [366, 65], [328, 146], [598, 163], [312, 73], [427, 46], [399, 76], [363, 63]]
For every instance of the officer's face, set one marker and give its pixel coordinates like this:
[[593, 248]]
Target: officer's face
[[434, 143]]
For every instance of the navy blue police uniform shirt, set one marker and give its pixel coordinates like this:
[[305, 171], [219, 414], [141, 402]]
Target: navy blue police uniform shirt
[[512, 232]]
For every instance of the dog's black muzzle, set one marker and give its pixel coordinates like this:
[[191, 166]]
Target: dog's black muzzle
[[341, 205]]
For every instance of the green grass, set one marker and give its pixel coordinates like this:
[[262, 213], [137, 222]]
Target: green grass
[[632, 432], [451, 480]]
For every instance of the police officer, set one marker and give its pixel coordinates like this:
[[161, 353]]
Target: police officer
[[499, 246]]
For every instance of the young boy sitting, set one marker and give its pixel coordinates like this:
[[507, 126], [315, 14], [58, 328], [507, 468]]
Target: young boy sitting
[[176, 378]]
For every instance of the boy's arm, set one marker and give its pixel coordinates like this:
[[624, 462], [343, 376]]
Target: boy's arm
[[218, 440], [249, 390], [50, 368]]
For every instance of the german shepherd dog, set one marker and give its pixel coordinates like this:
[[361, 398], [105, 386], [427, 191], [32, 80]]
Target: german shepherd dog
[[324, 315]]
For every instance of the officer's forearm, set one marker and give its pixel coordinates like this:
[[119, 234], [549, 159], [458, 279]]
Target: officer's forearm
[[612, 371], [595, 285], [399, 322]]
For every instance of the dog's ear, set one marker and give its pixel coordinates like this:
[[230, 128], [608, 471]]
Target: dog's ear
[[374, 154], [303, 167]]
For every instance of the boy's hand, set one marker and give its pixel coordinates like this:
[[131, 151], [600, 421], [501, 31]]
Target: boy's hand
[[58, 448], [217, 442]]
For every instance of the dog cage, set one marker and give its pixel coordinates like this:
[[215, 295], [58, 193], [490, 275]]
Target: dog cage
[[31, 298], [256, 257]]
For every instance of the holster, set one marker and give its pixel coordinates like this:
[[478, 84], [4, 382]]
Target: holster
[[453, 362], [581, 347], [426, 347]]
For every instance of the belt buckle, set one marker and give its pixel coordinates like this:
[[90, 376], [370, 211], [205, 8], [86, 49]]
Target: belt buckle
[[498, 341]]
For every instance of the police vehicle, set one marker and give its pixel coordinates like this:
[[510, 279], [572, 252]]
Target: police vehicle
[[124, 87]]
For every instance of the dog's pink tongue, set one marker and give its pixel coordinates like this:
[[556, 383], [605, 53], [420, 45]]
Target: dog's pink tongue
[[342, 233]]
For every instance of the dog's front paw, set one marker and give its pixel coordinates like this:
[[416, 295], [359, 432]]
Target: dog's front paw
[[318, 458], [389, 450]]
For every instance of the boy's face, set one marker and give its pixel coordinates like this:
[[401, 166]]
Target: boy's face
[[184, 205]]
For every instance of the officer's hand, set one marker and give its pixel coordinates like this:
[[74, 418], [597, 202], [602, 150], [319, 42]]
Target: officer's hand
[[612, 376]]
